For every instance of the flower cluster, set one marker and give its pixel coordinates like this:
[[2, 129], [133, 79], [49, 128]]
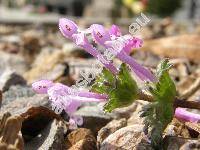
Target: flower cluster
[[62, 98], [116, 45], [115, 85]]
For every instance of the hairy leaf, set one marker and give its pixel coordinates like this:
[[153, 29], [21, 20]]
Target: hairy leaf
[[121, 89], [160, 113]]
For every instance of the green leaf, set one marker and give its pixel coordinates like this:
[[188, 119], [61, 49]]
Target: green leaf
[[160, 113], [121, 89]]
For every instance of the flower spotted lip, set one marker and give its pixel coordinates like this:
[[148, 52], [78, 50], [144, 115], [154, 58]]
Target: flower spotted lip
[[184, 115], [62, 98], [103, 37], [60, 94], [81, 40], [42, 86], [139, 70], [67, 27], [99, 33], [114, 31]]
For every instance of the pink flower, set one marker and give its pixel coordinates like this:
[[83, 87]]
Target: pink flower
[[81, 40], [100, 34], [115, 31], [127, 43], [184, 115], [42, 86], [67, 27], [112, 40], [62, 98]]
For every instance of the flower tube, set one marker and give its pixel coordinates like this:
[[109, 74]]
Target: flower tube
[[185, 115], [70, 30], [62, 98], [103, 40]]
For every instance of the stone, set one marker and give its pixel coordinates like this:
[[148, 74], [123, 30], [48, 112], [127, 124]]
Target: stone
[[16, 92], [110, 128], [30, 45], [10, 134], [177, 128], [180, 143], [21, 105], [130, 137], [80, 137], [49, 67], [184, 46], [93, 117], [9, 78], [13, 62], [135, 115], [84, 144], [36, 119], [50, 138], [127, 112]]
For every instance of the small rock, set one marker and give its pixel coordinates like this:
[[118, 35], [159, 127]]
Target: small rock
[[127, 112], [9, 78], [110, 128], [179, 143], [127, 138], [16, 92], [50, 138], [184, 46], [84, 144], [135, 116], [13, 62], [10, 134], [50, 67], [192, 145], [177, 128], [30, 45], [21, 105], [94, 118], [80, 138], [36, 119]]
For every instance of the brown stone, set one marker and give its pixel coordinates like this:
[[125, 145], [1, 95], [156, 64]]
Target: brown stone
[[46, 66], [84, 144], [10, 134], [130, 137], [179, 143], [50, 138], [184, 46], [21, 105], [80, 137], [110, 128]]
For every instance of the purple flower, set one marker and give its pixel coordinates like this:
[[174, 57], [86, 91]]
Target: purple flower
[[67, 27], [100, 34], [184, 115], [62, 98], [42, 86], [112, 41], [81, 40], [114, 31], [131, 43], [127, 43]]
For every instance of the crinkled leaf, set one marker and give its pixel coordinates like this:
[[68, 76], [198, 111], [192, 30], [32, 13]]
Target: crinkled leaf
[[104, 83], [160, 113], [122, 88]]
